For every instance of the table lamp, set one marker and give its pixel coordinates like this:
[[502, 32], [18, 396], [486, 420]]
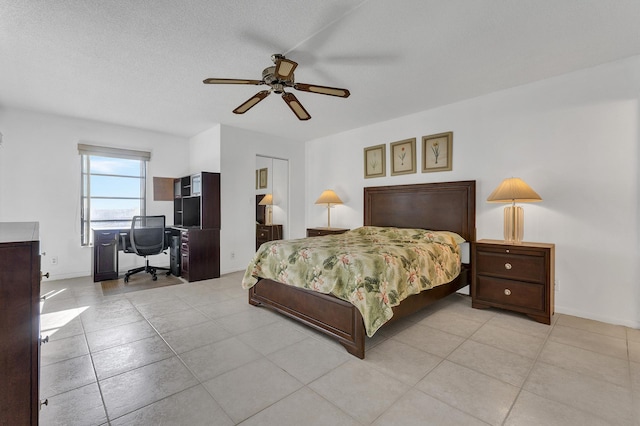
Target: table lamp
[[513, 190], [328, 197], [267, 201]]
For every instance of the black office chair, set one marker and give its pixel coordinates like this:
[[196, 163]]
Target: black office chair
[[146, 238]]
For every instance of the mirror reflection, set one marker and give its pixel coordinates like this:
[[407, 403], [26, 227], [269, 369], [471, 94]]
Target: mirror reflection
[[272, 194]]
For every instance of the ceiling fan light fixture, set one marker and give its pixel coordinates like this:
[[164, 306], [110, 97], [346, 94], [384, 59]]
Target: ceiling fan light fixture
[[284, 67], [251, 102], [296, 106]]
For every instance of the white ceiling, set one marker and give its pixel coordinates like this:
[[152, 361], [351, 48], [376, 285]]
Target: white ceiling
[[141, 63]]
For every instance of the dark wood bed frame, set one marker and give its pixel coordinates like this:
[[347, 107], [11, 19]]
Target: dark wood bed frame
[[449, 206]]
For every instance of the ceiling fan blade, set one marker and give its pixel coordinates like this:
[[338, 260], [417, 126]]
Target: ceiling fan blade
[[296, 106], [284, 68], [323, 90], [230, 81], [251, 102]]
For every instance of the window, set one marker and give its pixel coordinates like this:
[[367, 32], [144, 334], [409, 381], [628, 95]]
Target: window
[[113, 188]]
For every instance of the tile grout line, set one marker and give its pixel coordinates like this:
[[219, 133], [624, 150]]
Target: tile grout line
[[533, 365]]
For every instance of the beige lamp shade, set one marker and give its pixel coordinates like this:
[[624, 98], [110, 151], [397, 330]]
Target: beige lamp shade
[[513, 190], [328, 197], [267, 200]]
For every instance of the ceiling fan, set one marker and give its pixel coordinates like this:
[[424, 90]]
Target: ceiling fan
[[279, 77]]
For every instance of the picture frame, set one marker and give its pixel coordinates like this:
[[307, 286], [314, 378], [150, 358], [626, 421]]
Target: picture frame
[[257, 179], [263, 178], [403, 157], [437, 152], [375, 161]]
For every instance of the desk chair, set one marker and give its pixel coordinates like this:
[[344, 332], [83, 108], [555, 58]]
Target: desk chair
[[146, 238]]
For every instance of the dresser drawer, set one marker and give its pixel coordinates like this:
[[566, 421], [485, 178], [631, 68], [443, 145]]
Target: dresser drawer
[[514, 295], [505, 263], [105, 236]]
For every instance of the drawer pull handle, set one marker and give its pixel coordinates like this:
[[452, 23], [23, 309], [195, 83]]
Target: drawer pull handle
[[507, 266], [507, 292]]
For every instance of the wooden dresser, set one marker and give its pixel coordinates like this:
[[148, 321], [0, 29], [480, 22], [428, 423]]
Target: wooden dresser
[[517, 277], [266, 233], [19, 323], [318, 232]]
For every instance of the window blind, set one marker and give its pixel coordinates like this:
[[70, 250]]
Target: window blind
[[103, 151]]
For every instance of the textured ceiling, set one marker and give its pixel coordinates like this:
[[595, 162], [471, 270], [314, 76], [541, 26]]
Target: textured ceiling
[[141, 63]]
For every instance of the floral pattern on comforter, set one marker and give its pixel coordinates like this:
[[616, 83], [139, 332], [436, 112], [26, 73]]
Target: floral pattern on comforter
[[373, 268]]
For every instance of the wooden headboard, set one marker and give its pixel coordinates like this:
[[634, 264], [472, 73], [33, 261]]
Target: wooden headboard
[[447, 206]]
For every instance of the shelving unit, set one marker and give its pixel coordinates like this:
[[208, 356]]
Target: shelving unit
[[199, 208]]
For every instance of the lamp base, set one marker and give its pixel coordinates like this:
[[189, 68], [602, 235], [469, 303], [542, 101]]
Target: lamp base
[[269, 216], [513, 224]]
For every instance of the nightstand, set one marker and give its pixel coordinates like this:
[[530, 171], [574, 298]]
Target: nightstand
[[318, 232], [266, 233], [517, 277]]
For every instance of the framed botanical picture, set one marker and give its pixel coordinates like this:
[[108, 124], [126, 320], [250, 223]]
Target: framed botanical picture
[[403, 157], [437, 152], [263, 178], [375, 164]]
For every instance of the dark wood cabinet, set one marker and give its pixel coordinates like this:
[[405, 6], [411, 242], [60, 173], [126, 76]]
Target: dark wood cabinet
[[199, 254], [318, 232], [19, 323], [105, 254], [266, 233], [517, 277]]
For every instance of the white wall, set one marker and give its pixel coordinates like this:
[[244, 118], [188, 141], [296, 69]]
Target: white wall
[[574, 139], [204, 152], [238, 153], [40, 179]]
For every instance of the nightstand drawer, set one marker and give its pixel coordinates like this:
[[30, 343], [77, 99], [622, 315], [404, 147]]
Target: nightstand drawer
[[510, 294], [525, 266], [319, 232], [266, 233], [263, 234]]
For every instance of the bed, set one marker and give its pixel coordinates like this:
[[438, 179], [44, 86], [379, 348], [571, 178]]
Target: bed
[[448, 206]]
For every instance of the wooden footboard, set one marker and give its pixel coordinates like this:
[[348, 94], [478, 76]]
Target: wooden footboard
[[335, 317], [327, 314]]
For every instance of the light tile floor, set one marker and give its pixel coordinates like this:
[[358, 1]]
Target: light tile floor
[[198, 353]]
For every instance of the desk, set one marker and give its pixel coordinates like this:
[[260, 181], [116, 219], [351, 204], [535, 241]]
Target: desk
[[196, 251], [107, 243]]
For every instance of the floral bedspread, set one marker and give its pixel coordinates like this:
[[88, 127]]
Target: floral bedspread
[[374, 268]]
